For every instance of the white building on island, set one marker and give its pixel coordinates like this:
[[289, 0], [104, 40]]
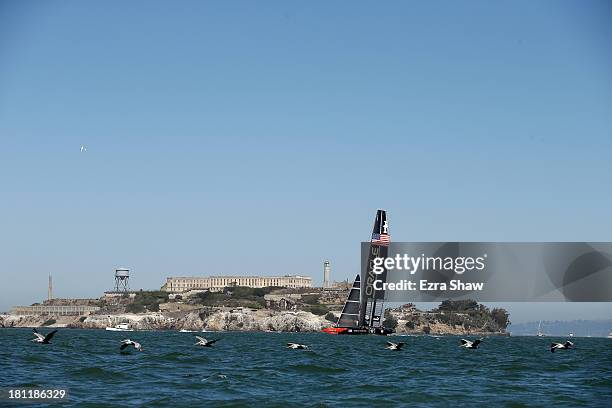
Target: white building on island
[[217, 283]]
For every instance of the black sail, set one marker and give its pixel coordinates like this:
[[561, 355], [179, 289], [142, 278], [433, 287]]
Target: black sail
[[350, 312], [371, 308]]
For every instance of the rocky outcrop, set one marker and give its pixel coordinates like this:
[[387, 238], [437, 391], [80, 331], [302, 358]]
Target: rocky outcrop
[[405, 319], [147, 321], [409, 320], [219, 320], [24, 321], [263, 320]]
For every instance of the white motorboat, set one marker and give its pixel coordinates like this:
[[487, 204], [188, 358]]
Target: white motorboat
[[120, 327]]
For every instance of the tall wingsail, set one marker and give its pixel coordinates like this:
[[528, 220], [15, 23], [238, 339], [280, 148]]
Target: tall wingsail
[[372, 307], [364, 307], [350, 312]]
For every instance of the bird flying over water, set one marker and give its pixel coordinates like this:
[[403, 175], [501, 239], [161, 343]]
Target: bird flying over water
[[470, 344], [39, 338], [297, 346], [394, 346], [127, 342], [561, 346], [205, 343]]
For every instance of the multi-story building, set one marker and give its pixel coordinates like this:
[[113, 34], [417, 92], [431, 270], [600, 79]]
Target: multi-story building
[[217, 283], [64, 310]]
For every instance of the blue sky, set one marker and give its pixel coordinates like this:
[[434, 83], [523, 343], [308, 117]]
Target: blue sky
[[260, 138]]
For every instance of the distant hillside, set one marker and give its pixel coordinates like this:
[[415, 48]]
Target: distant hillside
[[580, 328]]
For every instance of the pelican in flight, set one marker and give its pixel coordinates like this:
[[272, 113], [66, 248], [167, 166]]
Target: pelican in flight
[[297, 346], [470, 344], [394, 346], [39, 338], [568, 345], [127, 342], [205, 343]]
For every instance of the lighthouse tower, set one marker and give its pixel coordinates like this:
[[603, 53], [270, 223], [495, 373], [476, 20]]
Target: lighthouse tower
[[50, 289], [326, 274]]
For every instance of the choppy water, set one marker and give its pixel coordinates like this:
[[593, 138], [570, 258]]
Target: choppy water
[[255, 369]]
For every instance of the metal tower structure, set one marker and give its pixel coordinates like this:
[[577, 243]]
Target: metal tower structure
[[122, 278]]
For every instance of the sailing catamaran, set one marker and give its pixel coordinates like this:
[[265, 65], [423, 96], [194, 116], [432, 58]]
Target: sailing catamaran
[[540, 332], [364, 306]]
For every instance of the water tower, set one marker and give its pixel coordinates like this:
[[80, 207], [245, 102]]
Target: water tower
[[122, 277]]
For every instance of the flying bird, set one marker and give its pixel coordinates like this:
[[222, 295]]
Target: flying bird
[[39, 338], [205, 343], [297, 346], [127, 342], [568, 345], [83, 148], [394, 346], [470, 344]]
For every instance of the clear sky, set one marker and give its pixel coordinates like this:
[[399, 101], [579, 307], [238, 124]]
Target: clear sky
[[260, 137]]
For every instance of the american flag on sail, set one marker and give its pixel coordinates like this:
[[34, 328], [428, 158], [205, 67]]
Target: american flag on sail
[[381, 239]]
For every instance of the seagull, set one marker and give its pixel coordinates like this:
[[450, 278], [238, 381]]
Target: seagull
[[561, 346], [127, 342], [43, 339], [297, 346], [83, 148], [205, 343], [470, 344], [394, 346], [221, 376]]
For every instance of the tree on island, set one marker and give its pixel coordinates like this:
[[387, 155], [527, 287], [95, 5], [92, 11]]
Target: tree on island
[[501, 317], [390, 321], [331, 317], [458, 305]]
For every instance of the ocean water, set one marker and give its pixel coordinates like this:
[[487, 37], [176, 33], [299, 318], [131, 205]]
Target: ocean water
[[256, 369]]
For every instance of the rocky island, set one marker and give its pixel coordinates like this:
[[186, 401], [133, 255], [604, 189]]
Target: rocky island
[[257, 309]]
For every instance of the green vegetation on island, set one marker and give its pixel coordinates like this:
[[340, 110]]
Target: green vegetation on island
[[234, 296], [147, 301], [451, 316]]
